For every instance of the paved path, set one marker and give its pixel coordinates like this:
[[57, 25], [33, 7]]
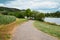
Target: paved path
[[27, 31]]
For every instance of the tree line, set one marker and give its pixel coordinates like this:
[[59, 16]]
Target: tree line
[[54, 14], [28, 13]]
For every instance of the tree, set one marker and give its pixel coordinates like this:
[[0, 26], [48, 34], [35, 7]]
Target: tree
[[40, 16], [28, 13], [34, 14], [4, 12]]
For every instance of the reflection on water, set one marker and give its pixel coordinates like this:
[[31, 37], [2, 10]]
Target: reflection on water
[[53, 20]]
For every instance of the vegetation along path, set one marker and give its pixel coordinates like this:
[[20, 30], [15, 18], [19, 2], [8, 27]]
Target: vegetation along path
[[27, 31]]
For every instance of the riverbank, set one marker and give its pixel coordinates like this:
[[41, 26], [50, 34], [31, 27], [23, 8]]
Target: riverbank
[[48, 28]]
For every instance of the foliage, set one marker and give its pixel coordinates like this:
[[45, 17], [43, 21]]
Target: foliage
[[22, 13], [12, 11], [40, 16], [4, 19], [55, 14], [28, 12]]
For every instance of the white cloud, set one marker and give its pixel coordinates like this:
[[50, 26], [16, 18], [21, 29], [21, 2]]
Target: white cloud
[[20, 4], [45, 5], [59, 9], [49, 4], [2, 5], [33, 4]]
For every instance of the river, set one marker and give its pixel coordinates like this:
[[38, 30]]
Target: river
[[53, 20]]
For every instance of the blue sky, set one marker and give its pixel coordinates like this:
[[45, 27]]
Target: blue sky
[[39, 5]]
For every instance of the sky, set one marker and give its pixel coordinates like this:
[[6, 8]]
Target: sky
[[38, 5]]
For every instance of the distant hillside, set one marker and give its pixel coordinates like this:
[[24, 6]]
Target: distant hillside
[[10, 9]]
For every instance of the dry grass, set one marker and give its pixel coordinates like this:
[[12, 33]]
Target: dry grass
[[5, 30]]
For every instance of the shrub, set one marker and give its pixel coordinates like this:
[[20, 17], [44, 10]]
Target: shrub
[[40, 16], [4, 19]]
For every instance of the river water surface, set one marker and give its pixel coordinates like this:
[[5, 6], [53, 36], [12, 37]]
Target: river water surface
[[53, 20]]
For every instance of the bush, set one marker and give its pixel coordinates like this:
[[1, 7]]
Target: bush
[[40, 16], [4, 19]]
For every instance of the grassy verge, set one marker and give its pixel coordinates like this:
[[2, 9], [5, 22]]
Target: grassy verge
[[53, 30], [5, 30]]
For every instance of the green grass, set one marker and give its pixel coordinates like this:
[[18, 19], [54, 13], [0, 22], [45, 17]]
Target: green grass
[[53, 30], [21, 20], [4, 19]]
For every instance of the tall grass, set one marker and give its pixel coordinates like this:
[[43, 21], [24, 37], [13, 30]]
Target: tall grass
[[4, 19], [49, 28]]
